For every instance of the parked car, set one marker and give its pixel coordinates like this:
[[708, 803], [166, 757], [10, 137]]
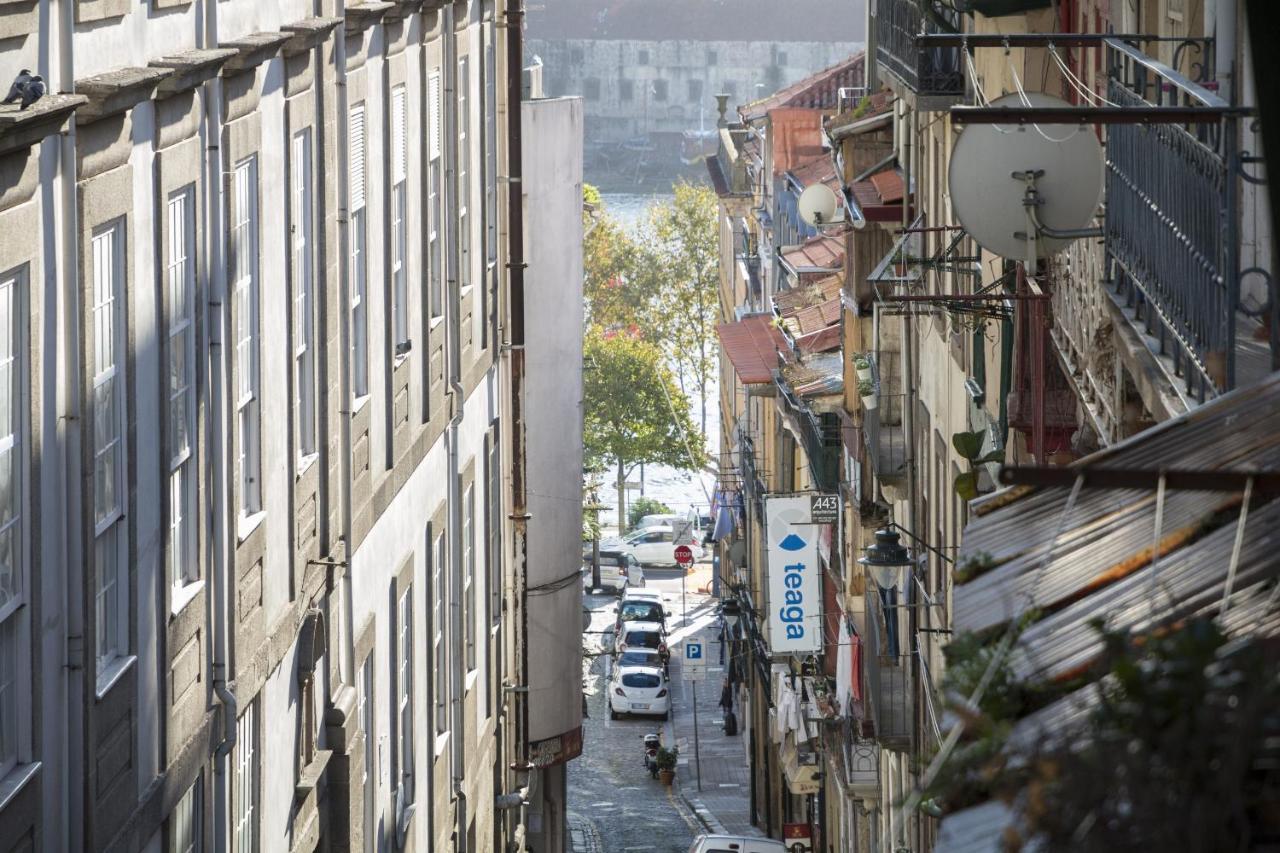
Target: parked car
[[640, 657], [642, 635], [639, 610], [735, 844], [618, 571], [655, 546], [639, 690]]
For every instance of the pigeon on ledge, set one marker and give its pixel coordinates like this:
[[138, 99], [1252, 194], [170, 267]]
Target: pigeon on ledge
[[19, 84], [33, 91]]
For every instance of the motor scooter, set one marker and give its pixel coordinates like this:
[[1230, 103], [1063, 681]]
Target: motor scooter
[[651, 744]]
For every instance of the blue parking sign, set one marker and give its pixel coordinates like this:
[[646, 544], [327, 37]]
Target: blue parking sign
[[693, 651]]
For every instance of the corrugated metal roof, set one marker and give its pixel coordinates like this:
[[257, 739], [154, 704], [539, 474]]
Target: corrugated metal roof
[[818, 375], [752, 346]]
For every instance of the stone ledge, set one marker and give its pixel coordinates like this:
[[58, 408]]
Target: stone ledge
[[252, 50], [190, 68], [365, 15], [116, 91], [21, 128], [308, 33], [403, 9]]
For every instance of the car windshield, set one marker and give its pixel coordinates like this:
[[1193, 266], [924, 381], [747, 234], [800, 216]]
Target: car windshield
[[636, 658], [641, 611], [644, 639], [640, 679]]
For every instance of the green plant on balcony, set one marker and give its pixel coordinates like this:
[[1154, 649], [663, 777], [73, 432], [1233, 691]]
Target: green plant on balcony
[[969, 446], [862, 364], [867, 391]]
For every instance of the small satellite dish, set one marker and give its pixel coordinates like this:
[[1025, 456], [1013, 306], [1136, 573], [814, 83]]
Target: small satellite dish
[[987, 178], [819, 206]]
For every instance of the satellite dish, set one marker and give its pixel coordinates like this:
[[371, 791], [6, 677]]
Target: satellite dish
[[995, 168], [819, 206]]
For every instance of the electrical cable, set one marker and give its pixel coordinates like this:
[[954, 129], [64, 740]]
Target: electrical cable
[[1026, 102]]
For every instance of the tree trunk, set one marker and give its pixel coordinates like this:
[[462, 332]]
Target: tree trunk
[[622, 499]]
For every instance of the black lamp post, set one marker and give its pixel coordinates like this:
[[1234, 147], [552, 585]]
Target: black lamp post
[[884, 557]]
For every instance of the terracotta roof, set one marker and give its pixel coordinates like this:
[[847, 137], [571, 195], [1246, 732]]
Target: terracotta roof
[[696, 20], [878, 111], [818, 169], [820, 341], [795, 137], [879, 197], [752, 346], [824, 252], [817, 91]]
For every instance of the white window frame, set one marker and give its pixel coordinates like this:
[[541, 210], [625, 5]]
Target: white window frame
[[111, 546], [302, 229], [469, 583], [440, 677], [435, 200], [184, 822], [399, 224], [244, 814], [463, 130], [248, 351], [15, 631], [369, 776], [489, 144], [404, 701], [180, 278], [359, 240]]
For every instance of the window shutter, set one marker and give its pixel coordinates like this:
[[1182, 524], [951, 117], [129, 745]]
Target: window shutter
[[356, 189], [433, 108], [398, 142]]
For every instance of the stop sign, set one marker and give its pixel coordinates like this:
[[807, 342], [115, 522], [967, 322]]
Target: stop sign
[[684, 555]]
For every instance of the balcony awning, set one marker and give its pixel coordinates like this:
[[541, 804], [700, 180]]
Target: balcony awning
[[821, 254], [752, 346], [819, 375], [812, 292]]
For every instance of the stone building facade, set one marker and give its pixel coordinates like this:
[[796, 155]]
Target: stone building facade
[[257, 589]]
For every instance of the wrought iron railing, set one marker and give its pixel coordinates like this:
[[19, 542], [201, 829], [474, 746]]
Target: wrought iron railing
[[888, 676], [819, 438], [752, 485], [926, 71], [885, 436], [1171, 223]]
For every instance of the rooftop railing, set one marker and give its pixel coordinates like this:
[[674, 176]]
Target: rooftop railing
[[929, 72]]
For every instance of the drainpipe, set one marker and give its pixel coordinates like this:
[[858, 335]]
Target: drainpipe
[[1224, 49], [67, 309]]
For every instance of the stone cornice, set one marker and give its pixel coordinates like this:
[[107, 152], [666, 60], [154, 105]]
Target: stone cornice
[[252, 50], [116, 91], [365, 15], [403, 9], [190, 68], [21, 128], [307, 33]]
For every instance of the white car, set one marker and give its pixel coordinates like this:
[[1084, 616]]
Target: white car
[[618, 571], [735, 844], [655, 546], [642, 635], [639, 690]]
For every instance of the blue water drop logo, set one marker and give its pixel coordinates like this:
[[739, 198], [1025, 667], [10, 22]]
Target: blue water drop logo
[[791, 543]]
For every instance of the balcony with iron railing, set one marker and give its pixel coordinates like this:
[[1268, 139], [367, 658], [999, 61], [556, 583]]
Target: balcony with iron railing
[[888, 674], [818, 434], [1172, 228], [933, 74], [883, 423]]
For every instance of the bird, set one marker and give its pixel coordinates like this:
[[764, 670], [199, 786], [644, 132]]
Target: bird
[[19, 83], [33, 91]]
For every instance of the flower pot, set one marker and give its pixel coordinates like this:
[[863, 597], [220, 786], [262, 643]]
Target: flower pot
[[869, 403], [864, 374], [667, 776]]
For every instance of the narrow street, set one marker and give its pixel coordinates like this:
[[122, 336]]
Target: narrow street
[[614, 806]]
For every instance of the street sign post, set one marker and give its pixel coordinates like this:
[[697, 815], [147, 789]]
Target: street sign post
[[684, 556], [695, 670]]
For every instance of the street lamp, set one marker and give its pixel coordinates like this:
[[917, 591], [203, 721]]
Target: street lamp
[[731, 612], [885, 557]]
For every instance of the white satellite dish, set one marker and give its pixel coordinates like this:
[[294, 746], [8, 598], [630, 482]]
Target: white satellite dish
[[996, 168], [818, 206]]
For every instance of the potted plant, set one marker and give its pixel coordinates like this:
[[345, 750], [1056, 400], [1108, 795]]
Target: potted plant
[[667, 764], [862, 364], [867, 391]]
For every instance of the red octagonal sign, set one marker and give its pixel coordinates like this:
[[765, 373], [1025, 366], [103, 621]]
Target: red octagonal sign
[[684, 555]]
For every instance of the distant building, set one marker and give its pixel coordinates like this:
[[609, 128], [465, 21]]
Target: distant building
[[648, 72]]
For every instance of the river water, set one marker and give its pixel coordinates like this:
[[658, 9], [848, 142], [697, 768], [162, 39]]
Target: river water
[[680, 490]]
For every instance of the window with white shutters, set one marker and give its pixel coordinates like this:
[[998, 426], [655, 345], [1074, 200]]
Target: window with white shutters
[[244, 818], [304, 360], [180, 308], [435, 189], [404, 698], [463, 128], [440, 666], [244, 264], [359, 260], [15, 662], [399, 224]]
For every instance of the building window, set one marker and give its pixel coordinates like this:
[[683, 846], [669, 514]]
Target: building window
[[304, 360], [184, 822], [489, 141], [109, 464], [244, 819], [576, 55], [404, 701], [464, 173], [713, 59], [440, 665], [435, 189], [399, 224], [15, 693], [359, 261], [591, 88], [469, 583], [782, 58], [364, 708], [180, 281], [695, 91], [244, 254], [659, 90], [493, 526], [642, 57], [730, 87], [627, 90]]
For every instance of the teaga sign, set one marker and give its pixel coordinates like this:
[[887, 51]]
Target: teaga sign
[[795, 590]]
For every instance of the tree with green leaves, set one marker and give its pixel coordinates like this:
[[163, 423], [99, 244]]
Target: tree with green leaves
[[634, 413], [680, 267], [617, 296]]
